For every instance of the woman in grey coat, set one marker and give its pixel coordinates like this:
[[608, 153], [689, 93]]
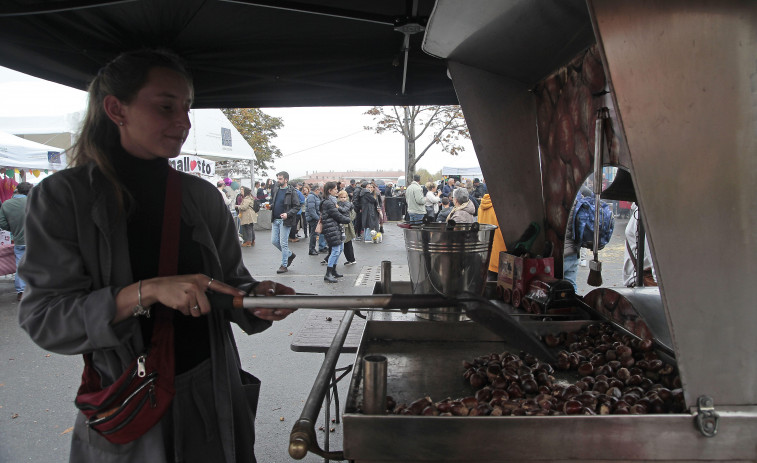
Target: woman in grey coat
[[92, 261]]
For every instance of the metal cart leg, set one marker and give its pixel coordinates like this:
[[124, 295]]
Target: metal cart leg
[[336, 399]]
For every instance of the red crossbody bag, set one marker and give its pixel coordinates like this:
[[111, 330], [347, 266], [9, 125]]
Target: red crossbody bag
[[137, 400]]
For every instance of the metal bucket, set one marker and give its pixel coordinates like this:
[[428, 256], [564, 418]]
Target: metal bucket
[[448, 262]]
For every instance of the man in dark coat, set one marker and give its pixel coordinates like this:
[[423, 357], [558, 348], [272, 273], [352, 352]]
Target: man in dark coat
[[285, 205], [479, 189], [358, 223], [368, 211], [350, 189]]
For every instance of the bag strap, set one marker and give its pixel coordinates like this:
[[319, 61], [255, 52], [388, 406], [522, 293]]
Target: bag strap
[[167, 265], [169, 240]]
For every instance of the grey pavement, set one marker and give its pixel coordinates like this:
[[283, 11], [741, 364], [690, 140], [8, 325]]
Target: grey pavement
[[37, 388]]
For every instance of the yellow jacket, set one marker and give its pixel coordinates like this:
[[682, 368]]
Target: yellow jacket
[[486, 215]]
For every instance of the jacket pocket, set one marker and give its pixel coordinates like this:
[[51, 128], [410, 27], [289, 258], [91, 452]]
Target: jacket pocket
[[251, 389]]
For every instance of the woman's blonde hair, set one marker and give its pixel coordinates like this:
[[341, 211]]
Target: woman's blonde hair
[[123, 78]]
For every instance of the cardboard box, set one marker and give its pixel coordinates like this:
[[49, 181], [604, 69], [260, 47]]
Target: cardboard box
[[515, 273]]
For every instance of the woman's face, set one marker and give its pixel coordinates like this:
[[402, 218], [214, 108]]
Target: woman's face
[[370, 187], [156, 123], [332, 192]]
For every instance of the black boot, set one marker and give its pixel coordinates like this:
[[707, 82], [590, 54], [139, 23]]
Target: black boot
[[329, 278], [333, 272]]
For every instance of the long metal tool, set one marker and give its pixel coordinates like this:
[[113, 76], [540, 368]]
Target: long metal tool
[[477, 308], [371, 302], [595, 266]]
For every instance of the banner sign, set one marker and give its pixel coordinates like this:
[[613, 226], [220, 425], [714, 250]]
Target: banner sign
[[193, 165]]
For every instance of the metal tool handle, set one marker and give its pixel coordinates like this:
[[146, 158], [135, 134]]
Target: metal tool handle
[[380, 301], [602, 115]]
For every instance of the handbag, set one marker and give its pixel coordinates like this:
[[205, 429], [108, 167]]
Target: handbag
[[137, 400], [318, 227]]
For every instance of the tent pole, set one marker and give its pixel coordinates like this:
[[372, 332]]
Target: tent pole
[[252, 175]]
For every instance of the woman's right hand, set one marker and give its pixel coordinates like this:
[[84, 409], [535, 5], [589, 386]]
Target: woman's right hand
[[185, 293]]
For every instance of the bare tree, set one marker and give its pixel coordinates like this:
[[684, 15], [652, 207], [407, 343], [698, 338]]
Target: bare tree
[[446, 124]]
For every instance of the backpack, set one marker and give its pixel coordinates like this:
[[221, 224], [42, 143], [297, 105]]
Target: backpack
[[256, 205], [583, 223]]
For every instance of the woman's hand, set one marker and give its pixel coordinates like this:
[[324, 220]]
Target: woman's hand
[[185, 293], [270, 288]]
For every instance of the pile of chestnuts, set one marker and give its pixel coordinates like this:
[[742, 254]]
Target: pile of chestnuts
[[620, 375]]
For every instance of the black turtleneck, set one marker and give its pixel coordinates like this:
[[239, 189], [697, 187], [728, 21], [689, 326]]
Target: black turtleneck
[[146, 183]]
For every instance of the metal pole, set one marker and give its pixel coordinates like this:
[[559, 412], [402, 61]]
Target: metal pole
[[407, 147], [640, 250]]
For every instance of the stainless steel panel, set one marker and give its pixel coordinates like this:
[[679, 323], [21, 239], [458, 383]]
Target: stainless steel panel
[[523, 40], [561, 438], [683, 75], [501, 116], [425, 359]]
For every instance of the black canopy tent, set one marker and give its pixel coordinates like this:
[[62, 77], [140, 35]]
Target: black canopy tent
[[242, 53]]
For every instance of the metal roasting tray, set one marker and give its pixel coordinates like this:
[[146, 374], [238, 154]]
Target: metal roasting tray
[[425, 358]]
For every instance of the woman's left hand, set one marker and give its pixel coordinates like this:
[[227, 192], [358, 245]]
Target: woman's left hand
[[271, 288]]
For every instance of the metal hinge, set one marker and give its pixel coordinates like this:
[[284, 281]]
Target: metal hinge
[[707, 417]]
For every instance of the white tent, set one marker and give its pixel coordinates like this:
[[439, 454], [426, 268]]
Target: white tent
[[213, 137], [463, 172], [25, 154]]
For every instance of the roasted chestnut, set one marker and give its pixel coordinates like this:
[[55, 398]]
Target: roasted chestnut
[[477, 380], [469, 402], [572, 407]]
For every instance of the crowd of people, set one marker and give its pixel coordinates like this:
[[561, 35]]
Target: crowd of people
[[445, 201], [298, 208], [358, 214]]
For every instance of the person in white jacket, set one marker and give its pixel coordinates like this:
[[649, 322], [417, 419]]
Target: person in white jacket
[[432, 200], [629, 254]]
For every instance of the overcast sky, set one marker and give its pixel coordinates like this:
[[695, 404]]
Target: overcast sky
[[313, 139]]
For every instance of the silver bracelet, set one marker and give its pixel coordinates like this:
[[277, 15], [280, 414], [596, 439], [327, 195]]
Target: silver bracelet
[[139, 309]]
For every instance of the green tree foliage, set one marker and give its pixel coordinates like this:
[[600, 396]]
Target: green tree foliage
[[445, 125], [259, 129], [426, 176]]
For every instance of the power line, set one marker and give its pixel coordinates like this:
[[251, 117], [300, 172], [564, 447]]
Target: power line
[[321, 144]]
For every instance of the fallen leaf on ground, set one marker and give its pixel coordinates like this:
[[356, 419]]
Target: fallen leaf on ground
[[14, 416], [47, 355], [68, 430]]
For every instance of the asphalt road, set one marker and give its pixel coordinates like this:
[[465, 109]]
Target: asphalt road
[[37, 388]]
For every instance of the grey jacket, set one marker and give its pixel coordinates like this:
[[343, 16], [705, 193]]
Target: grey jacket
[[12, 214], [464, 214], [416, 201], [74, 270]]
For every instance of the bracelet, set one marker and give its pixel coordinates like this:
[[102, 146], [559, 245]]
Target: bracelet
[[139, 309]]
